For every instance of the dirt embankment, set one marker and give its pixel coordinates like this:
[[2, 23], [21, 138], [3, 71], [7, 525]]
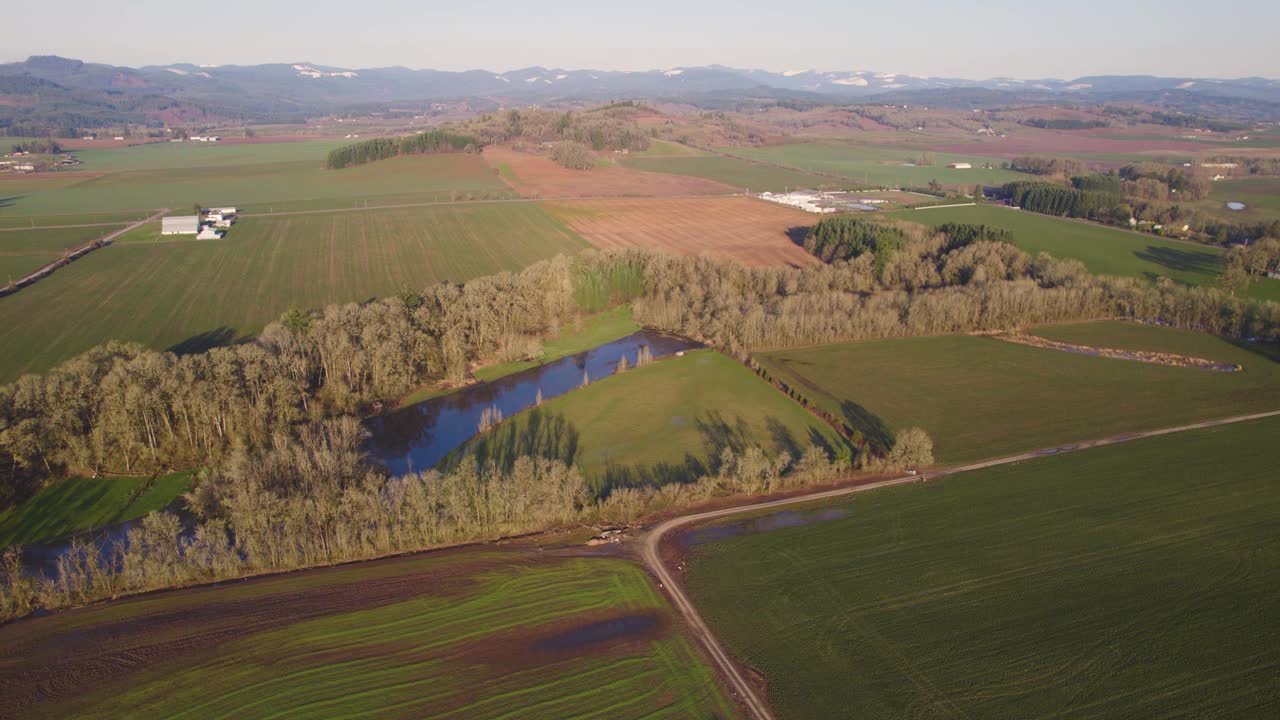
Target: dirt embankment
[[1147, 356]]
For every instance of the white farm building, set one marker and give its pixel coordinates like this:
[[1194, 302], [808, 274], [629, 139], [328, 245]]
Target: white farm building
[[182, 225]]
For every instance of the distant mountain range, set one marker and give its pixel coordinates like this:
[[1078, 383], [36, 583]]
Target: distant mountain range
[[45, 87]]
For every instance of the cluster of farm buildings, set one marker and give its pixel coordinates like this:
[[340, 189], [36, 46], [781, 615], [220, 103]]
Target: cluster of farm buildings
[[824, 202], [204, 226]]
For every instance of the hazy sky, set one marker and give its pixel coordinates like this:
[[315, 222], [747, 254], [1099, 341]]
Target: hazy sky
[[1026, 38]]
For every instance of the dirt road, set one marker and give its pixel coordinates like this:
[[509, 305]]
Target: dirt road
[[76, 253], [756, 706]]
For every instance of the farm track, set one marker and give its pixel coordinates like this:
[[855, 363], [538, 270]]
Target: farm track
[[64, 227], [756, 706], [77, 253]]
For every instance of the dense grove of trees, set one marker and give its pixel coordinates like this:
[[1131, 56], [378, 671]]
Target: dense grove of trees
[[311, 500], [961, 234], [1046, 166], [605, 128], [845, 237], [44, 147], [1253, 261], [573, 155], [1154, 181], [1253, 165], [275, 419], [1064, 123], [1054, 199], [367, 151]]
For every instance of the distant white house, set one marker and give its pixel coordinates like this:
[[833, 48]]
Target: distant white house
[[1274, 274], [181, 225], [960, 166]]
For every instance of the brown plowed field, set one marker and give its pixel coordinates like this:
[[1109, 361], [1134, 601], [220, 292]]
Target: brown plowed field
[[535, 176], [752, 232]]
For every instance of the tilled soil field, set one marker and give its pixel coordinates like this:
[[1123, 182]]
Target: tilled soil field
[[752, 232], [535, 176]]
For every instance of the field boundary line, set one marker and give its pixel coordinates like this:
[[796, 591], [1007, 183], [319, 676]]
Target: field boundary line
[[62, 227], [757, 708], [76, 254]]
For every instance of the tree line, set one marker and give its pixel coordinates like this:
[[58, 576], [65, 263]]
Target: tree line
[[425, 143]]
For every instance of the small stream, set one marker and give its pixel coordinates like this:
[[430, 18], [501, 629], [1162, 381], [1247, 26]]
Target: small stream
[[418, 437]]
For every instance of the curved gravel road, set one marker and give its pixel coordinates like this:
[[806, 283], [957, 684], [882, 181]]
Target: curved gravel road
[[755, 705]]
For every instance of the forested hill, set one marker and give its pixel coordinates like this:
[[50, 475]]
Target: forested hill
[[427, 143]]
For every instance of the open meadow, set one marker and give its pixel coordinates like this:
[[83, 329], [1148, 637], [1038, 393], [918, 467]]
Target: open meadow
[[25, 251], [79, 504], [256, 179], [752, 232], [1103, 250], [887, 166], [664, 422], [537, 176], [980, 397], [1135, 580], [188, 294], [735, 172], [459, 634]]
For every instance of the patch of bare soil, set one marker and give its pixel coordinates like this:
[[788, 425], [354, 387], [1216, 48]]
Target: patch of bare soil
[[1157, 358], [752, 232], [535, 176], [609, 634], [68, 653]]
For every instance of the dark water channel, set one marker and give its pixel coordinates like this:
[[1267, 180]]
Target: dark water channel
[[418, 437]]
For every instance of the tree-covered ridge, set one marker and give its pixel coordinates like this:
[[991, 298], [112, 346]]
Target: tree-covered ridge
[[425, 143], [612, 127]]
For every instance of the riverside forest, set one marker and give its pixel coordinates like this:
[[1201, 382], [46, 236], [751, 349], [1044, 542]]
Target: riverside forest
[[697, 392]]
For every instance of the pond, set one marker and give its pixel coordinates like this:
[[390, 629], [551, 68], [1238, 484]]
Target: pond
[[418, 437], [1235, 205]]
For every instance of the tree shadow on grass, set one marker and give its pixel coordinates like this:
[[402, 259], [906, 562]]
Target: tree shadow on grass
[[539, 434], [877, 434], [1199, 261], [206, 341], [617, 477], [719, 434]]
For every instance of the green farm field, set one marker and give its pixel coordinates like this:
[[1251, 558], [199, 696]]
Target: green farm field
[[870, 165], [79, 504], [457, 634], [24, 251], [979, 397], [735, 172], [190, 294], [270, 183], [1261, 197], [1103, 250], [663, 422], [1135, 580]]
